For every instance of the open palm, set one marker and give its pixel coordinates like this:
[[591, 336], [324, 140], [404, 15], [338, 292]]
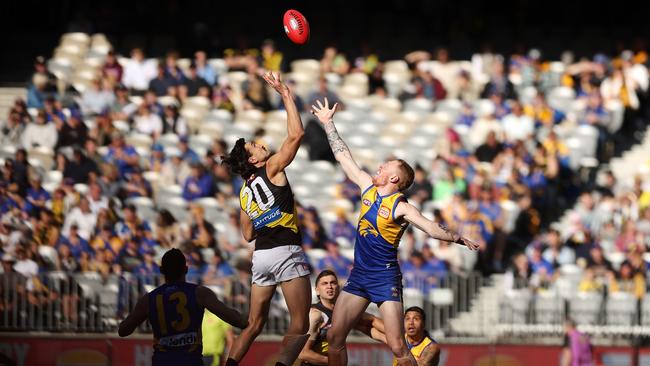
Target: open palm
[[323, 112], [275, 81]]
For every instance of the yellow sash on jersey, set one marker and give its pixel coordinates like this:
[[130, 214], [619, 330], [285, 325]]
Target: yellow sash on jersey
[[417, 350], [382, 223]]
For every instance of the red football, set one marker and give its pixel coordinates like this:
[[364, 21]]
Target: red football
[[296, 26]]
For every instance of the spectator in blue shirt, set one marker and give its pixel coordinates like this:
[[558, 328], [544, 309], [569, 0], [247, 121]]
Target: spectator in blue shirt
[[204, 69], [7, 203], [186, 152], [342, 228], [161, 83], [36, 198], [335, 261], [218, 272], [488, 206], [36, 93], [195, 264], [128, 227], [145, 239], [137, 186], [537, 261], [198, 184], [148, 268], [124, 156], [75, 243], [439, 267], [172, 70], [595, 113], [418, 273], [53, 110]]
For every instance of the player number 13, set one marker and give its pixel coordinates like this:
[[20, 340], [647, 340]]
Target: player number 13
[[181, 309]]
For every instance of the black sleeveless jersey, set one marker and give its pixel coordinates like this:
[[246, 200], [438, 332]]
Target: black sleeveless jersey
[[272, 210]]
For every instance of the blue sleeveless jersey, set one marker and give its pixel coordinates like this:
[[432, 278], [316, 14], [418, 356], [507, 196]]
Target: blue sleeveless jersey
[[176, 319], [378, 232], [376, 275]]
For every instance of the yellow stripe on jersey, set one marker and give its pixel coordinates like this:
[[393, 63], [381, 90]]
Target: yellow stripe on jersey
[[417, 350], [382, 222], [287, 220]]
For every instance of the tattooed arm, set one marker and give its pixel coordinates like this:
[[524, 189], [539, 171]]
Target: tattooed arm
[[433, 229], [430, 356], [339, 148]]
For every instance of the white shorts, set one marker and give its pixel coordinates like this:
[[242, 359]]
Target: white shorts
[[280, 264]]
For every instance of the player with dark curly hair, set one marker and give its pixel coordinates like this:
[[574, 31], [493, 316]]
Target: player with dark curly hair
[[268, 216]]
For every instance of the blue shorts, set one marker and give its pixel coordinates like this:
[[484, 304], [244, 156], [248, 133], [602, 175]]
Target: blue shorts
[[172, 358], [375, 286]]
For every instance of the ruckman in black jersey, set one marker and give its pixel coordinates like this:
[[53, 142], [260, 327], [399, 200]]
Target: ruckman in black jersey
[[268, 216], [320, 320]]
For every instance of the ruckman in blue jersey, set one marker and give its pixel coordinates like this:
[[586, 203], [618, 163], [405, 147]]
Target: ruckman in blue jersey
[[376, 276], [175, 312]]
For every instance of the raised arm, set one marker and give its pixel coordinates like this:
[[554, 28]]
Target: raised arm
[[135, 317], [208, 299], [341, 151], [433, 229], [307, 354], [295, 131]]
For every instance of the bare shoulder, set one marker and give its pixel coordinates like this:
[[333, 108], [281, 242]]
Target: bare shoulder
[[404, 208]]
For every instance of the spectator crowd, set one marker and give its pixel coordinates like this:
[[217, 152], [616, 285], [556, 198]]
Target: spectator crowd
[[88, 167]]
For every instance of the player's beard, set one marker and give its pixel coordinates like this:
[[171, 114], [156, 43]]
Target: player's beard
[[379, 180]]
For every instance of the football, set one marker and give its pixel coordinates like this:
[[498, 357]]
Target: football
[[296, 27]]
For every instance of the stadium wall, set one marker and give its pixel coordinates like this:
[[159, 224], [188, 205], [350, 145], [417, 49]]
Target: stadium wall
[[72, 350]]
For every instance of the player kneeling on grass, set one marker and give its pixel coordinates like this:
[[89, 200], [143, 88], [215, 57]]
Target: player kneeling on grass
[[320, 320], [376, 276], [175, 312]]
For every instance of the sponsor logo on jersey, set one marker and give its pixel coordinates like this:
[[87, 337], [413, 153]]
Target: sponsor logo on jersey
[[366, 202], [179, 340], [267, 218], [384, 212]]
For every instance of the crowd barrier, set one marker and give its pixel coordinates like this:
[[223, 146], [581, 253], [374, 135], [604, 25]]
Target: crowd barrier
[[109, 350]]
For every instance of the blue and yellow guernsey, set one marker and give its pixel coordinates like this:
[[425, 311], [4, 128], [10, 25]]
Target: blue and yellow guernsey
[[272, 210], [176, 319], [378, 232], [418, 348]]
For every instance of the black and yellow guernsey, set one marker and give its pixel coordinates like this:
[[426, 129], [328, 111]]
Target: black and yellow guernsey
[[272, 209], [320, 345]]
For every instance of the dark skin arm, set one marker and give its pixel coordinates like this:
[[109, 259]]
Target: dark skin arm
[[208, 300], [135, 317]]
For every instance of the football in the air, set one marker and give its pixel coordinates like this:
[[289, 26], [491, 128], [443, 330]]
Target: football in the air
[[296, 27]]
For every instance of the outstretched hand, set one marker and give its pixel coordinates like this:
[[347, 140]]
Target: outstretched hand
[[323, 112], [471, 245], [275, 81]]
